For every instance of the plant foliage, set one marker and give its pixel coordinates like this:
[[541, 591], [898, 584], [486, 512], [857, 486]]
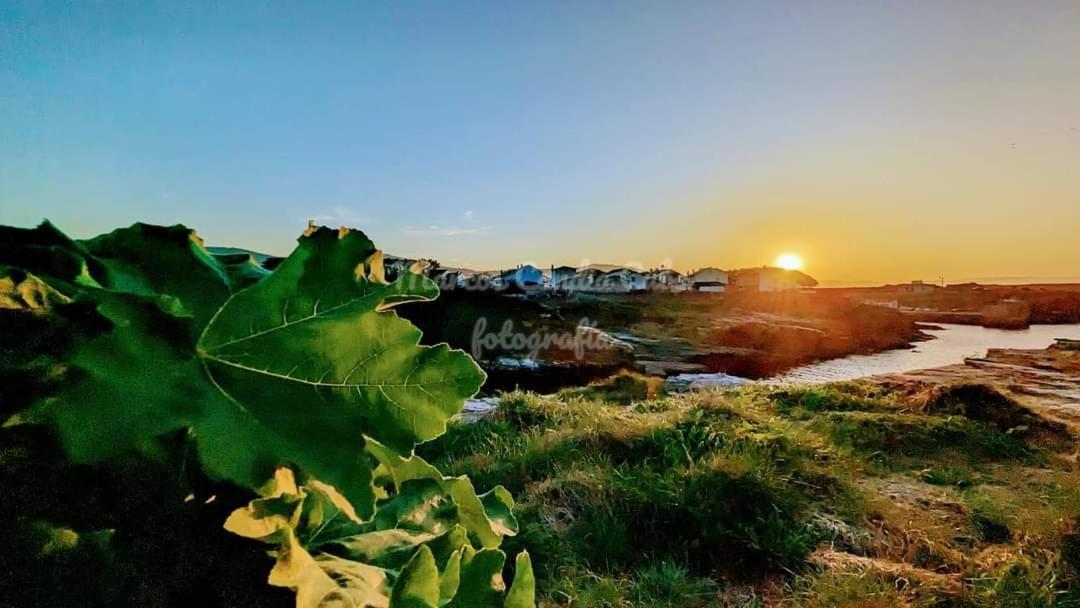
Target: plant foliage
[[302, 372]]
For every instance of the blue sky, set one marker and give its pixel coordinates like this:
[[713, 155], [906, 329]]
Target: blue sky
[[491, 133]]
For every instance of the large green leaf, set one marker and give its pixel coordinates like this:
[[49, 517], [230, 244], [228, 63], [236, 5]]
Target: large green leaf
[[296, 369], [242, 268], [141, 259], [324, 560], [22, 291], [418, 584], [313, 333], [48, 252], [132, 383], [481, 584], [308, 356], [67, 282], [392, 548], [487, 517], [38, 323], [326, 581], [290, 516], [148, 260], [477, 581], [450, 578], [522, 592]]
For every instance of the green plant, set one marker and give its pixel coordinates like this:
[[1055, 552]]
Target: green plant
[[1024, 581], [948, 474], [839, 397], [622, 388], [667, 581], [302, 370]]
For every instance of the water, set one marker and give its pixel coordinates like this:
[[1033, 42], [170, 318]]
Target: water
[[951, 345], [694, 382]]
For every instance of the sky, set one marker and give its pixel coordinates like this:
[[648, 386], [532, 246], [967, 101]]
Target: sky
[[881, 141]]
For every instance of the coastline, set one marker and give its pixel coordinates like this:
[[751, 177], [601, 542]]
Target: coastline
[[665, 335]]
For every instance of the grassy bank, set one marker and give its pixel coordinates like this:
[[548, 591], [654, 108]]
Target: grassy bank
[[836, 496]]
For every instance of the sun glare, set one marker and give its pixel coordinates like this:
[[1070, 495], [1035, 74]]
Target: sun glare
[[789, 261]]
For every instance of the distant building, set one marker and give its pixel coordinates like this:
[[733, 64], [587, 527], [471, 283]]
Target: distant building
[[709, 280], [562, 277], [527, 277], [667, 280], [917, 287], [769, 279], [611, 284], [625, 280], [586, 279]]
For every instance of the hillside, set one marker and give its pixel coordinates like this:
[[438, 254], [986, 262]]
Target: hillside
[[841, 496]]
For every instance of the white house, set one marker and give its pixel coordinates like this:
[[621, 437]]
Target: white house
[[917, 287], [586, 279], [668, 280], [524, 277], [709, 280], [562, 277], [625, 279]]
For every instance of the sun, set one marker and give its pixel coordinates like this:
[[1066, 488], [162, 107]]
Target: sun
[[789, 261]]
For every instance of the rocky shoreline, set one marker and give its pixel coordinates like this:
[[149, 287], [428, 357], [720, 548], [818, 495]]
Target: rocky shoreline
[[1046, 382], [663, 335]]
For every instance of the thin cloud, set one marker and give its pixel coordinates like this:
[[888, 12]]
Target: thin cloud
[[342, 216], [437, 230]]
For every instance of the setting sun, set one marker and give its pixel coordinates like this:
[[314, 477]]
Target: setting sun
[[789, 261]]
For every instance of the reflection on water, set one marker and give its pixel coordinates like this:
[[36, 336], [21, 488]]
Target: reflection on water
[[951, 345]]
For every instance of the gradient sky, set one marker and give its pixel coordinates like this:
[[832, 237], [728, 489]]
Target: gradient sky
[[882, 141]]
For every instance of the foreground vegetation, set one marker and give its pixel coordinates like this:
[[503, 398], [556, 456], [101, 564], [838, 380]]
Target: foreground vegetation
[[835, 496], [176, 426]]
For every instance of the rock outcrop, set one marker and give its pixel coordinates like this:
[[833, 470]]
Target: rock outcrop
[[1046, 383]]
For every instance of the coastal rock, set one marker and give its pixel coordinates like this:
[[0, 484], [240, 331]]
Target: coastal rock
[[1007, 314], [1045, 383]]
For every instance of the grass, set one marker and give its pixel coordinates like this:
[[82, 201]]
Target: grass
[[846, 589], [628, 497], [623, 388], [895, 441], [949, 474]]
